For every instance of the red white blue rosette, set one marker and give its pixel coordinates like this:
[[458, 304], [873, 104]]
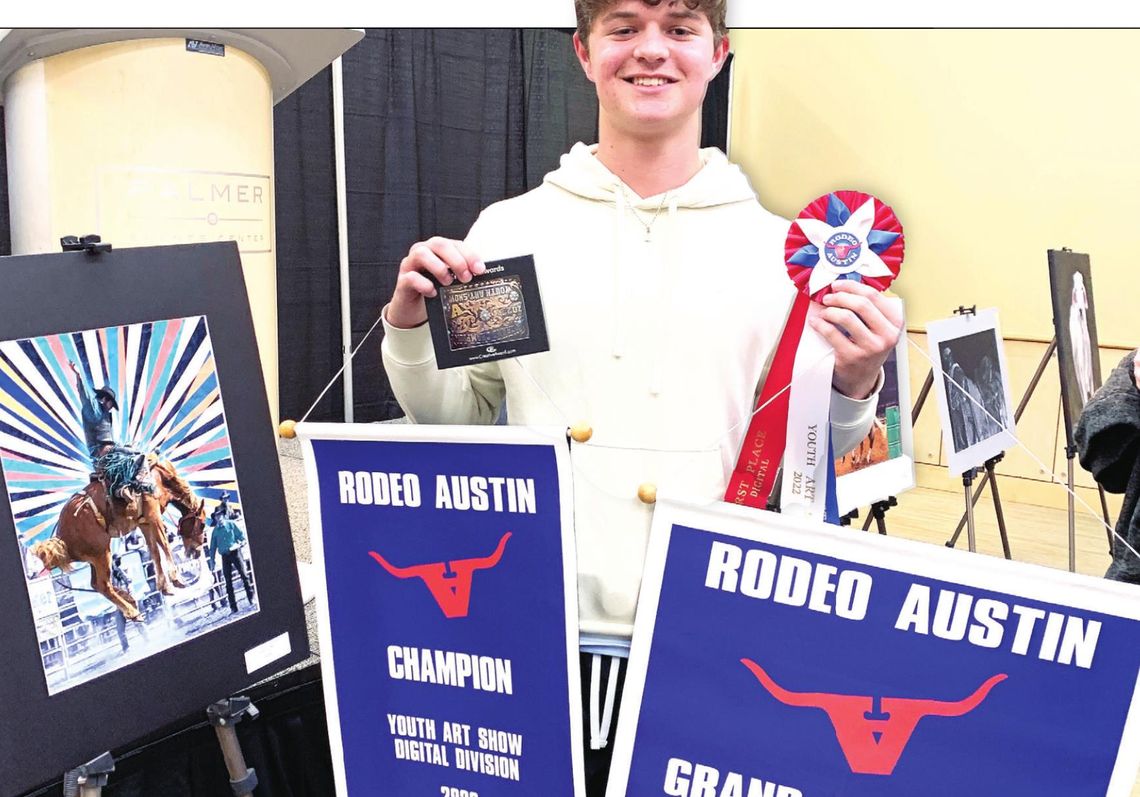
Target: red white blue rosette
[[844, 235]]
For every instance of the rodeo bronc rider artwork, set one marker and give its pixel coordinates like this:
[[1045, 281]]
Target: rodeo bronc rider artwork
[[114, 444]]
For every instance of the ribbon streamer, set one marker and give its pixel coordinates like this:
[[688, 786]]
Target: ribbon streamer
[[804, 486]]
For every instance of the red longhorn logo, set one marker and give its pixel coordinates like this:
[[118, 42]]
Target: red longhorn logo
[[449, 582], [871, 735], [842, 250]]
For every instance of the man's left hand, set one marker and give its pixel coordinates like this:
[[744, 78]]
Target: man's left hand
[[863, 326]]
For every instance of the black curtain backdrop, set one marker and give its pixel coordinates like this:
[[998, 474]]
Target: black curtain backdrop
[[308, 282], [714, 113], [561, 105], [438, 125], [433, 132]]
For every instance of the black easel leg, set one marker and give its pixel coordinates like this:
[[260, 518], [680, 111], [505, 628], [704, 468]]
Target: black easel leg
[[969, 512], [971, 537], [997, 508], [878, 514], [1072, 519], [881, 521], [1107, 522], [922, 394]]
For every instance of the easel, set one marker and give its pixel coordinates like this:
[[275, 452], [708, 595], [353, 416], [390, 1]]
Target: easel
[[224, 715], [878, 509], [990, 476], [89, 779], [1059, 260], [878, 513], [1070, 454]]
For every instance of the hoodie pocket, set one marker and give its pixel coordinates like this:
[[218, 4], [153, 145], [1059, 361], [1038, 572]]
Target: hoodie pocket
[[611, 523]]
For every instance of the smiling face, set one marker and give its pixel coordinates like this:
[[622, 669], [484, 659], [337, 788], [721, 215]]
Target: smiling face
[[651, 66]]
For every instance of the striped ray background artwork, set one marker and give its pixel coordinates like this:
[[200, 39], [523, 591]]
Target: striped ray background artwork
[[164, 376]]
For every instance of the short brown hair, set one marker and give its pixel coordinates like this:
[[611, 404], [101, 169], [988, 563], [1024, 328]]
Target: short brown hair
[[588, 11]]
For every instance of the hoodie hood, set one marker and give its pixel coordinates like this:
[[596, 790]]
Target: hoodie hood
[[717, 183]]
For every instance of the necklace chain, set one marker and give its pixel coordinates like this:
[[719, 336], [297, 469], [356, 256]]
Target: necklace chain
[[648, 225]]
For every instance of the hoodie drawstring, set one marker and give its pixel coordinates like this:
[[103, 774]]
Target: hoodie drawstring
[[600, 725], [665, 297], [617, 334]]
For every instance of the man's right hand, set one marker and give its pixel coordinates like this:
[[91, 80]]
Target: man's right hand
[[443, 258]]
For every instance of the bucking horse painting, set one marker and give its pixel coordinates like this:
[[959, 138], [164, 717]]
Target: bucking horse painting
[[91, 517], [104, 432]]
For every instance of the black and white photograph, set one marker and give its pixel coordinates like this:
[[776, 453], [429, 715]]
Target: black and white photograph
[[972, 383], [1074, 323]]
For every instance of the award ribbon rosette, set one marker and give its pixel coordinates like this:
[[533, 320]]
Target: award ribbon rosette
[[842, 235]]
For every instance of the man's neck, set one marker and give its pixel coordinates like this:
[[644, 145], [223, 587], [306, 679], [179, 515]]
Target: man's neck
[[650, 166]]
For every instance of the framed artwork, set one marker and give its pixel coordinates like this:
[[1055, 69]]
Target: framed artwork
[[972, 384], [146, 567], [882, 465], [1074, 324], [156, 385]]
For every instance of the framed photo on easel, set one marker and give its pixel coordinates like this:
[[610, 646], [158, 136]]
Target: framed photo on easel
[[1074, 324], [972, 384]]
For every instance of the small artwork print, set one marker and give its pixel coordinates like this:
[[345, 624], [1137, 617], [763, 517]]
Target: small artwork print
[[972, 387], [495, 316], [884, 439], [116, 456], [1074, 323], [882, 464]]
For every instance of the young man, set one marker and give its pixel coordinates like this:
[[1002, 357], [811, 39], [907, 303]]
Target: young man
[[665, 293]]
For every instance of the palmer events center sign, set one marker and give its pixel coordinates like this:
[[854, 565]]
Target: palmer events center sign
[[778, 658], [448, 609]]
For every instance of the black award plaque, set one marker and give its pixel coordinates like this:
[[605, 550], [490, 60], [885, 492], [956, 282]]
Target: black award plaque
[[495, 316]]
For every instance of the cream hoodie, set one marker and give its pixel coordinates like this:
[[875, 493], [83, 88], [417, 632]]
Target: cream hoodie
[[657, 345]]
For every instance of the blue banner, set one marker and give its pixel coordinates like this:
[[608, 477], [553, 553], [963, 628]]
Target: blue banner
[[449, 609], [774, 658]]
